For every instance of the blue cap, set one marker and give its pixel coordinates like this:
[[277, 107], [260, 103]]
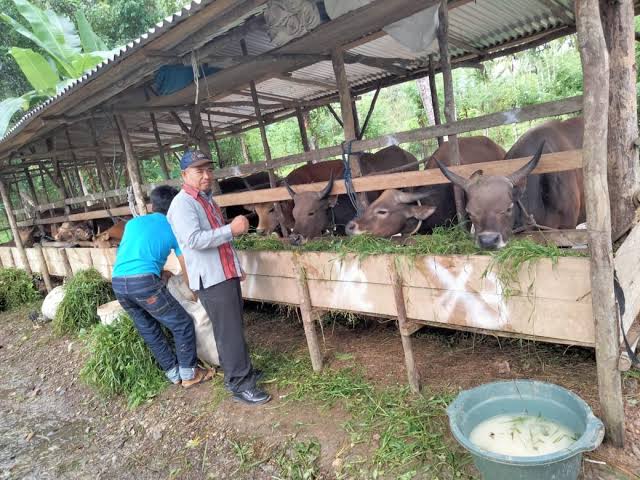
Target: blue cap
[[194, 158]]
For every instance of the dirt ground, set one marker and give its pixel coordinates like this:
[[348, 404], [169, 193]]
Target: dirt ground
[[52, 426]]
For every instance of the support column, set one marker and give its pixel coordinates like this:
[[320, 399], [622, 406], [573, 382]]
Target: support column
[[434, 95], [348, 120], [623, 169], [273, 183], [595, 67], [34, 195], [163, 160], [75, 169], [449, 101], [56, 175], [199, 134], [303, 130], [309, 317], [44, 269], [132, 165], [372, 107], [14, 226], [103, 174]]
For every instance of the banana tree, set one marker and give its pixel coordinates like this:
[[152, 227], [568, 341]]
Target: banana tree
[[66, 54]]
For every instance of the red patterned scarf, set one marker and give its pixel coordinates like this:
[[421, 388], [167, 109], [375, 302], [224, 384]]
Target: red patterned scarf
[[214, 215]]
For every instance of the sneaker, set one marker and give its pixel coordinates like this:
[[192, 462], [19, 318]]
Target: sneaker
[[252, 396], [201, 375]]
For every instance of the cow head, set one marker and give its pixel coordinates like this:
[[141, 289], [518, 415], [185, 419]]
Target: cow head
[[491, 201], [73, 232], [311, 210], [267, 218], [392, 212]]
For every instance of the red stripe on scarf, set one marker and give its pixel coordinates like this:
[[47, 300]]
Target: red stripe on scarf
[[213, 214]]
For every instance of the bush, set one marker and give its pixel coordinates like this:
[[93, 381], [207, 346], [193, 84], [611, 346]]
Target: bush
[[16, 288], [84, 293], [121, 364]]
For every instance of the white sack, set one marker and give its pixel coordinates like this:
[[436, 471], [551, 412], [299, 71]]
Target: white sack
[[51, 302]]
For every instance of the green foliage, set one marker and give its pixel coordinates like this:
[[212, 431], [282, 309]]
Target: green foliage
[[84, 293], [300, 460], [16, 288], [120, 363]]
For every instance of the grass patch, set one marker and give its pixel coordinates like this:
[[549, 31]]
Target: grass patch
[[406, 432], [120, 363], [84, 293], [16, 288], [299, 460]]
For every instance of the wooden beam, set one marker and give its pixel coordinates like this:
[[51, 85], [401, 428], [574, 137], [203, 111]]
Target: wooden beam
[[163, 159], [595, 67], [44, 269], [200, 136], [103, 174], [265, 145], [335, 115], [287, 76], [14, 227], [363, 130], [303, 130], [449, 100], [434, 95], [309, 317], [623, 168], [132, 165]]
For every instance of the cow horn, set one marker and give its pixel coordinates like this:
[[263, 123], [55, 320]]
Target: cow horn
[[410, 197], [516, 177], [453, 177], [289, 189], [327, 190]]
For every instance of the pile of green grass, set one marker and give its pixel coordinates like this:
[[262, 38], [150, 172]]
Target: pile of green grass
[[407, 432], [84, 293], [120, 363], [16, 288]]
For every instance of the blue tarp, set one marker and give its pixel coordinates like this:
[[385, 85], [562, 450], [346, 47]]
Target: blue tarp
[[171, 78]]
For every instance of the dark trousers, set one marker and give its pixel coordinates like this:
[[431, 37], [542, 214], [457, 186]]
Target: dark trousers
[[223, 303], [149, 304]]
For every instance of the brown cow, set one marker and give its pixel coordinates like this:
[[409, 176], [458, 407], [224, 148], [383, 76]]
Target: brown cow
[[310, 213], [73, 232], [554, 199], [110, 237], [395, 211]]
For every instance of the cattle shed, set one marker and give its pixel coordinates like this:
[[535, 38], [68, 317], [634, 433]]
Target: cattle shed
[[263, 61]]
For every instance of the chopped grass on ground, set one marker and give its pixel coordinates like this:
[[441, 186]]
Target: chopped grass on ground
[[406, 432], [84, 293], [16, 288], [299, 460], [120, 363]]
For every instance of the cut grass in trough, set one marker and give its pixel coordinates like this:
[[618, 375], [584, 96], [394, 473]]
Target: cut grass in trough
[[120, 363], [16, 288], [406, 432], [84, 293]]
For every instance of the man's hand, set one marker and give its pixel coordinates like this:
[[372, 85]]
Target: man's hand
[[166, 275], [239, 225]]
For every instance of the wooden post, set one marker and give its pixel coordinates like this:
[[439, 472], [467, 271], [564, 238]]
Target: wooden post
[[163, 160], [200, 136], [132, 165], [43, 268], [595, 67], [67, 264], [44, 186], [56, 175], [76, 170], [273, 182], [449, 100], [434, 95], [34, 194], [308, 319], [623, 171], [372, 107], [356, 120], [103, 174], [303, 130], [14, 227], [403, 325], [348, 120]]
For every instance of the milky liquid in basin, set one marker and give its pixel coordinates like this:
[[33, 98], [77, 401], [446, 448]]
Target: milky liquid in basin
[[521, 435]]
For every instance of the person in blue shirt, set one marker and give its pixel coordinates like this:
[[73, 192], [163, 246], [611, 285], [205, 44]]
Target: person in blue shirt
[[139, 285]]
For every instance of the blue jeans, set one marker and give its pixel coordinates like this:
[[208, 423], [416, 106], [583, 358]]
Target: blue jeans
[[149, 304]]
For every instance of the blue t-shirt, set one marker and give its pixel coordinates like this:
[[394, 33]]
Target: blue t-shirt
[[145, 246]]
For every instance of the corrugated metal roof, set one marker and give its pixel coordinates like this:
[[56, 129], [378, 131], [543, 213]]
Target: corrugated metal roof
[[478, 25]]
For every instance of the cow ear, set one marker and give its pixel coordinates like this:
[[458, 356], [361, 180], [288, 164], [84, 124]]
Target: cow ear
[[333, 199], [475, 176], [421, 212]]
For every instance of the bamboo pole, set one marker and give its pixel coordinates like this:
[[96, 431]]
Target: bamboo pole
[[434, 95], [623, 169], [407, 346], [449, 100], [348, 120], [308, 318], [44, 269], [132, 167], [163, 160], [14, 227], [273, 182], [595, 67]]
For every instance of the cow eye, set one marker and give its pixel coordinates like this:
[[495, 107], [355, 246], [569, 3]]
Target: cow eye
[[311, 214], [271, 210], [382, 212]]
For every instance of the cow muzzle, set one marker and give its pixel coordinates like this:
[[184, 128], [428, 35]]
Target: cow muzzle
[[352, 228], [490, 240]]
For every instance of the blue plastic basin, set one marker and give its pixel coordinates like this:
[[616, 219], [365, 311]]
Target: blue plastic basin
[[555, 403]]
